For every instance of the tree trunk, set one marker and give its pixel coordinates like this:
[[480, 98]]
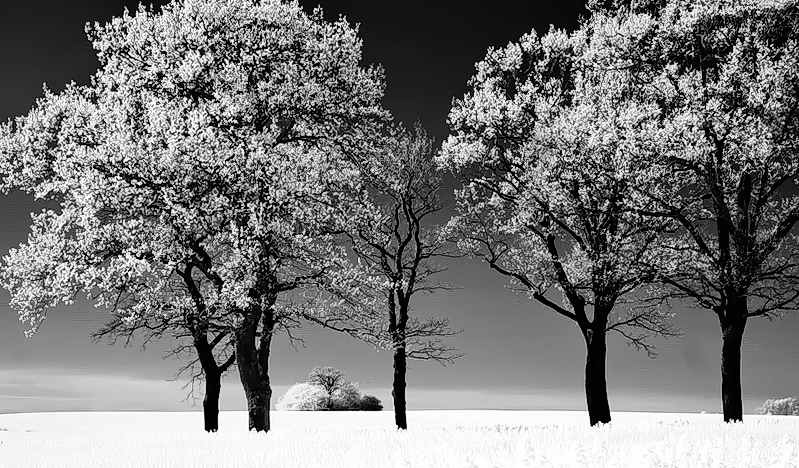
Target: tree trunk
[[213, 385], [253, 364], [398, 392], [258, 403], [213, 379], [596, 388], [732, 332]]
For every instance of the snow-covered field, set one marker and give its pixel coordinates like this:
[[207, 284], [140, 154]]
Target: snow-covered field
[[367, 439]]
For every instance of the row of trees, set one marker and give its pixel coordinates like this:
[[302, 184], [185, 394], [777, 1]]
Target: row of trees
[[650, 155], [229, 173]]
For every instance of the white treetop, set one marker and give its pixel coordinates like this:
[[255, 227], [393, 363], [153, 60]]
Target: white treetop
[[723, 78], [208, 144]]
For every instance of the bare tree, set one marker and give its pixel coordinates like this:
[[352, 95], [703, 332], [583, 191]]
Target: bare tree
[[397, 251]]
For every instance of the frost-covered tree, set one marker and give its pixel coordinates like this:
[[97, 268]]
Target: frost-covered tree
[[196, 175], [370, 403], [552, 161], [398, 249], [722, 75], [326, 389], [342, 395], [304, 396], [346, 397], [110, 240]]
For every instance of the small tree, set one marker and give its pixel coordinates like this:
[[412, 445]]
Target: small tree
[[346, 397], [784, 406], [370, 403], [326, 389], [304, 396], [397, 250]]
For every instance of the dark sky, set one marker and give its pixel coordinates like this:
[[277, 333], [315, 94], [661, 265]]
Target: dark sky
[[520, 356]]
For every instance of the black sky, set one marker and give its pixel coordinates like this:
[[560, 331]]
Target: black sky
[[428, 48]]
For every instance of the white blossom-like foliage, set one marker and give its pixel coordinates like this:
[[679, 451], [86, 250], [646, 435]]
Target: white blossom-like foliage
[[304, 396], [196, 173], [722, 75]]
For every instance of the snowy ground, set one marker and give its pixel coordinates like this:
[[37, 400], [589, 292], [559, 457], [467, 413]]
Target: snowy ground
[[435, 439]]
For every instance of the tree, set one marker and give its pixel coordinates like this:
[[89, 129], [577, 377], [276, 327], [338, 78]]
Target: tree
[[342, 395], [326, 389], [207, 151], [552, 159], [346, 397], [107, 242], [782, 406], [326, 377], [397, 251], [722, 76]]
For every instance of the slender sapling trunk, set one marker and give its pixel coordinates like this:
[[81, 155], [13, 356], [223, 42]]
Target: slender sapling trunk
[[398, 391]]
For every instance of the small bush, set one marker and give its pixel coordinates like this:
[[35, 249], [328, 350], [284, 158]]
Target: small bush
[[304, 397], [370, 403], [784, 406], [346, 397]]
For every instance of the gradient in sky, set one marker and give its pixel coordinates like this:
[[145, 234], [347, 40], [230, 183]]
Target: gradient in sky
[[519, 354]]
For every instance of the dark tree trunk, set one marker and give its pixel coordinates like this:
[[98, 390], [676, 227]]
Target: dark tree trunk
[[253, 364], [596, 388], [732, 332], [213, 378], [205, 353], [396, 327], [398, 392], [258, 403], [213, 385]]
